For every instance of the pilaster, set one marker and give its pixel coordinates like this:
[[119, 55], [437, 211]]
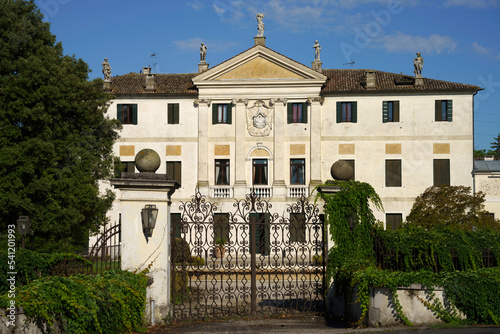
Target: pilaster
[[203, 117], [315, 146]]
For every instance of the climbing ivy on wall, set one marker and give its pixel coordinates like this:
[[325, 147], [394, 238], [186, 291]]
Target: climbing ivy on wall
[[350, 220], [352, 263]]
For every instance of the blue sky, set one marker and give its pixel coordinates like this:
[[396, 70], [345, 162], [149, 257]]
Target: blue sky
[[459, 39]]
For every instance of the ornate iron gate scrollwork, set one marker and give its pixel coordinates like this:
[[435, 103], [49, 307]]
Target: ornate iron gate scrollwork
[[272, 264]]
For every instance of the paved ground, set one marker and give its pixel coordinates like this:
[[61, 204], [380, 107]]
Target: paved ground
[[303, 324]]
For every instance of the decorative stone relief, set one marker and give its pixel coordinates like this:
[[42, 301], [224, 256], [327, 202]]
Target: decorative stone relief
[[259, 119], [202, 101], [491, 186]]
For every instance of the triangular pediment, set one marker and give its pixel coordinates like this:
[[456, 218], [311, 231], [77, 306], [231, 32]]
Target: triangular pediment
[[260, 68], [256, 64]]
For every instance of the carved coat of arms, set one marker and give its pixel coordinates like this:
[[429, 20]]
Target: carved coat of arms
[[259, 119]]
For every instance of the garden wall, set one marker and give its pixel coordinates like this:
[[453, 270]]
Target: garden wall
[[381, 311]]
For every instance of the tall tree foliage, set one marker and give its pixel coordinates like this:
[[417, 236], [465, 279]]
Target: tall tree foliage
[[495, 146], [55, 142], [453, 207]]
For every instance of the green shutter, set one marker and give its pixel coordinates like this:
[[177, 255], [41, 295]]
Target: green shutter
[[385, 112], [354, 112], [176, 113], [170, 117], [449, 110], [119, 112], [134, 113], [339, 112], [214, 113], [395, 111], [229, 113], [437, 111], [289, 113], [304, 112]]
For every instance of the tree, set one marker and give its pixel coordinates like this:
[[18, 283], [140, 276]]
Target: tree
[[495, 146], [452, 207], [55, 141]]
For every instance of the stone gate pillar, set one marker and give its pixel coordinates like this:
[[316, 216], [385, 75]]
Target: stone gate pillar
[[138, 251]]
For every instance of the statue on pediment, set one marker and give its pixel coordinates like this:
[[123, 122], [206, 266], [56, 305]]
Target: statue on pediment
[[260, 25], [317, 49], [203, 52]]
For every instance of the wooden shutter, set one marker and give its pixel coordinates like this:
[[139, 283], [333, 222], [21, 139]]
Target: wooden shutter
[[438, 111], [385, 111], [449, 110], [173, 113], [393, 173], [119, 112], [229, 113], [289, 113], [441, 171], [304, 112], [354, 118], [134, 113], [339, 112], [174, 170], [393, 221], [214, 113], [395, 111]]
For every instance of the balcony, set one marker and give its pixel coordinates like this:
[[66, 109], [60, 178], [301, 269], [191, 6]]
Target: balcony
[[221, 192], [262, 191], [297, 191]]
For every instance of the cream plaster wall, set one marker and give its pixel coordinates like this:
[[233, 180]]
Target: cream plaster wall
[[417, 135]]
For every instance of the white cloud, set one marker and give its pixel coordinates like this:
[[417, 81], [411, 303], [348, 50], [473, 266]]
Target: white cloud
[[196, 5], [473, 3], [400, 42], [479, 49]]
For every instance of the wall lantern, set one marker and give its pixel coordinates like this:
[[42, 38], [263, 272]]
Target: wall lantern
[[149, 215], [23, 227]]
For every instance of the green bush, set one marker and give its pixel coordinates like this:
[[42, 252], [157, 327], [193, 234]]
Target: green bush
[[113, 302], [197, 261], [31, 265]]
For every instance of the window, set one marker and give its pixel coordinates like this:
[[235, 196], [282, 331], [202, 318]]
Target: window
[[221, 226], [444, 110], [296, 113], [173, 113], [347, 112], [126, 167], [221, 113], [127, 113], [174, 170], [390, 111], [393, 173], [393, 221], [352, 164], [297, 227], [222, 171], [259, 171], [441, 171], [297, 171]]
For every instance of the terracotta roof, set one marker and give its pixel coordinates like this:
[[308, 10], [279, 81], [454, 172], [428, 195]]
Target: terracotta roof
[[167, 84], [354, 81], [338, 82]]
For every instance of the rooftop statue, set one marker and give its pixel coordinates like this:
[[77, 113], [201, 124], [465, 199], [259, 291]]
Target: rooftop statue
[[418, 62], [203, 51], [260, 25], [106, 70], [317, 49]]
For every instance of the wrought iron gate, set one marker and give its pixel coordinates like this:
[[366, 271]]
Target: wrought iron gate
[[270, 264]]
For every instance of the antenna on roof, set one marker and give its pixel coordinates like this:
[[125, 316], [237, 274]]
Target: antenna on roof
[[153, 55], [351, 63]]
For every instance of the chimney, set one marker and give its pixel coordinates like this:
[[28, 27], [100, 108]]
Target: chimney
[[370, 80], [150, 79]]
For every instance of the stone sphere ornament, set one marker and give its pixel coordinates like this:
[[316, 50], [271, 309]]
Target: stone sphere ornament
[[147, 161], [341, 171]]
